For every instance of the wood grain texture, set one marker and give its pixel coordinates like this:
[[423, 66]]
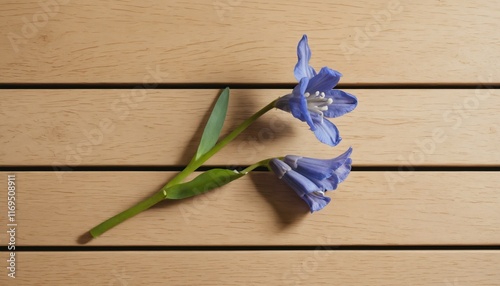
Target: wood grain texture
[[364, 268], [370, 208], [144, 43], [163, 127], [227, 41]]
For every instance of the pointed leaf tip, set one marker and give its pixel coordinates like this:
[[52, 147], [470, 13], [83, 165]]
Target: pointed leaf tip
[[214, 124]]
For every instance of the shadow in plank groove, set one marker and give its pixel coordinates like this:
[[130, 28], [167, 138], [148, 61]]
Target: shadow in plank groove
[[401, 168], [240, 86], [258, 248]]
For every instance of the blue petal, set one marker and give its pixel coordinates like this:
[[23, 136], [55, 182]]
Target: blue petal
[[279, 167], [343, 103], [325, 131], [343, 171], [317, 168], [302, 68], [300, 184], [316, 202], [339, 174], [298, 102], [303, 187], [327, 184], [310, 167], [324, 81], [342, 159]]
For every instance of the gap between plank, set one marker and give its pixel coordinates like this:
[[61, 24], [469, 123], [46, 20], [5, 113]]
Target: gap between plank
[[259, 248], [134, 168], [241, 86]]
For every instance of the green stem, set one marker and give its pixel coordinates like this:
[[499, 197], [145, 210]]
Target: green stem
[[190, 168], [117, 219], [263, 163], [195, 164], [149, 202]]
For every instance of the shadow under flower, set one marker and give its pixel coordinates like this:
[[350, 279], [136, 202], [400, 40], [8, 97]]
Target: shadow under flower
[[288, 207], [265, 131]]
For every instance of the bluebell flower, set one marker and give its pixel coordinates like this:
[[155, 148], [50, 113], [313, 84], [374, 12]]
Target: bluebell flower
[[310, 178], [313, 98]]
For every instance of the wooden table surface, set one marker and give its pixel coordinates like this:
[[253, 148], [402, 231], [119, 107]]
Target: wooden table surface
[[102, 102]]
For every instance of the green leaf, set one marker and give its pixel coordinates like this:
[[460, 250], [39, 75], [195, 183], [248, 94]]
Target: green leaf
[[205, 182], [214, 124]]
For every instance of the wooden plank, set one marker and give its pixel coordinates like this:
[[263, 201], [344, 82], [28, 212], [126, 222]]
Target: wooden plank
[[370, 208], [387, 41], [387, 268], [162, 127]]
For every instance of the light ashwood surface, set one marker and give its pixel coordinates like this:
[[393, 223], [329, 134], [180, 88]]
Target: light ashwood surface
[[399, 127], [363, 268], [437, 227], [227, 41], [370, 208]]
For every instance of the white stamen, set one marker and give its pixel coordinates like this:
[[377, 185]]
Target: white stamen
[[318, 103], [319, 193]]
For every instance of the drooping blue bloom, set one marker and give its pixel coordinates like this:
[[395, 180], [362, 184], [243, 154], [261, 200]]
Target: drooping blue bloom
[[310, 177], [313, 98]]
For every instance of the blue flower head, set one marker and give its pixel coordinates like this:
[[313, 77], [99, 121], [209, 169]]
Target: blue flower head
[[313, 98], [310, 177]]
